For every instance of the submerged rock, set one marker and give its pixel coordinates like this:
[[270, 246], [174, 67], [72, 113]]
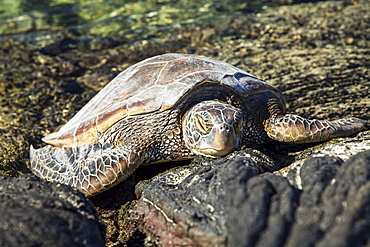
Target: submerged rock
[[37, 213]]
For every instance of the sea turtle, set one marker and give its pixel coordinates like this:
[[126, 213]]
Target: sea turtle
[[172, 107]]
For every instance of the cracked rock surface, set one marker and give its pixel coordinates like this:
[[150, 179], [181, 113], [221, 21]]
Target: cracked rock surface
[[230, 203]]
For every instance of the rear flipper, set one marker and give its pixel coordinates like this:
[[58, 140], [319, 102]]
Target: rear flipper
[[296, 129], [90, 168]]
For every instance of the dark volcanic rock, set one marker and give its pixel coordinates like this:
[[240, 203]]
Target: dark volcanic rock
[[37, 213], [334, 208], [185, 206], [195, 205], [260, 211], [230, 203]]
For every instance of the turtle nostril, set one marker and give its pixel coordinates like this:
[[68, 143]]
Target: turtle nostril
[[224, 127]]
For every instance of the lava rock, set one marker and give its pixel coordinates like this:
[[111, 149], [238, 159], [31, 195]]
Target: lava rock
[[260, 211], [334, 207], [38, 213], [231, 202], [190, 205]]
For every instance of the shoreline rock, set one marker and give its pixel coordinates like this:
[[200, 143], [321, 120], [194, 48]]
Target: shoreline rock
[[229, 203], [38, 213]]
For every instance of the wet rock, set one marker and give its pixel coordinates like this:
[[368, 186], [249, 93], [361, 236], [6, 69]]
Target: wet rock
[[229, 202], [84, 44], [37, 213]]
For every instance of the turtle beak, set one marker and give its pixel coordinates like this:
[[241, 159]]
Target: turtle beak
[[222, 140]]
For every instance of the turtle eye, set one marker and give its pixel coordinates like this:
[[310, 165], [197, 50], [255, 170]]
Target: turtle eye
[[201, 124], [238, 126]]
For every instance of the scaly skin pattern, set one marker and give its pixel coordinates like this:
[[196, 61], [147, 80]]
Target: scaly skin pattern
[[212, 128], [89, 168], [172, 107], [296, 129], [96, 167]]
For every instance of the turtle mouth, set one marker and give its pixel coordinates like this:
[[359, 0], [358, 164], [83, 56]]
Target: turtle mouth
[[214, 153], [220, 144]]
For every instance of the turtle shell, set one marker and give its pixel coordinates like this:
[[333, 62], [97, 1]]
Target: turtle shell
[[155, 84]]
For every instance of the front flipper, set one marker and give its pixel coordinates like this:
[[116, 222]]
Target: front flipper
[[90, 168], [296, 129]]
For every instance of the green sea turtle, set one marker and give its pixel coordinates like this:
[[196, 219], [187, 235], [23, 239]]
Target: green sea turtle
[[172, 107]]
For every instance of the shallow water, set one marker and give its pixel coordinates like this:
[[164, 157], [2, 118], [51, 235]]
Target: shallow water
[[132, 18]]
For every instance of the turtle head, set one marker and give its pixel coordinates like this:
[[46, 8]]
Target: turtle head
[[212, 128]]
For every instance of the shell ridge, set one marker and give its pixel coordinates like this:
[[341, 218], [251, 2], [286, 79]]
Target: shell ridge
[[184, 58], [160, 72], [168, 99], [96, 127], [74, 133], [191, 74]]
